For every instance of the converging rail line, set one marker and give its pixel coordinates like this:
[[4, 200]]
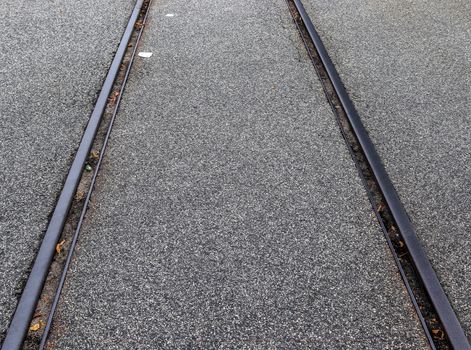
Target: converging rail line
[[20, 322], [144, 12], [441, 326], [415, 268]]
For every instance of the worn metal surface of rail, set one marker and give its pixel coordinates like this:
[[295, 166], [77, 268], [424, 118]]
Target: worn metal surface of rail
[[70, 253], [422, 266], [20, 322]]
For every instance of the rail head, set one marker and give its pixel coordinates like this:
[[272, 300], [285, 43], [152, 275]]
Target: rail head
[[421, 262], [24, 311]]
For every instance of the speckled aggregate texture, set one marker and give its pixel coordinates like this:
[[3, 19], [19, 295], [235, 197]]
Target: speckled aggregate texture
[[228, 213], [54, 56], [406, 65]]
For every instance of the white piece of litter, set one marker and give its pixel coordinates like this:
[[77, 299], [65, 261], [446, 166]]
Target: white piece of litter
[[145, 54], [170, 15]]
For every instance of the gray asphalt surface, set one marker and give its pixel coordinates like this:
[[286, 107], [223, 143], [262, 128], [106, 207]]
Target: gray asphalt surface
[[406, 65], [54, 56], [228, 213]]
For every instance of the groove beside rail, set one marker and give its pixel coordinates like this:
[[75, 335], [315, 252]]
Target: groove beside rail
[[424, 269], [19, 324]]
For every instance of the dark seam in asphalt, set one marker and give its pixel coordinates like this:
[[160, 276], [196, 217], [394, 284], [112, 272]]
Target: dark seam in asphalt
[[407, 251], [144, 14], [19, 324]]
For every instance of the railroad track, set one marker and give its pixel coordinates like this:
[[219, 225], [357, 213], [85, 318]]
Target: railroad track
[[437, 317], [439, 321], [90, 151]]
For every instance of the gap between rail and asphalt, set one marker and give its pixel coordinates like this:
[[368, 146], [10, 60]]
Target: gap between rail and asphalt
[[422, 265], [20, 322], [92, 185]]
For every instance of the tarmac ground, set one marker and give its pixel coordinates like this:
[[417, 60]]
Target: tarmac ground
[[406, 67], [228, 212], [54, 57]]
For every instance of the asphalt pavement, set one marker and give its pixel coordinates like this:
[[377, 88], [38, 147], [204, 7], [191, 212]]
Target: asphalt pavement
[[228, 212], [406, 66], [54, 56]]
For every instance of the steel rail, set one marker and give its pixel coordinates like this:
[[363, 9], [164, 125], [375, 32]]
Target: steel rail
[[422, 264], [20, 322], [371, 197], [75, 237]]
